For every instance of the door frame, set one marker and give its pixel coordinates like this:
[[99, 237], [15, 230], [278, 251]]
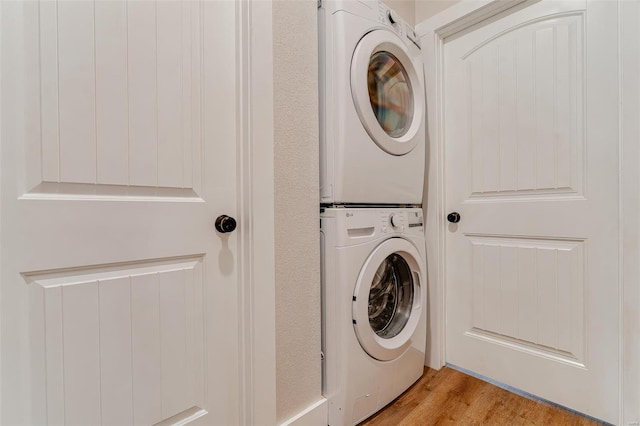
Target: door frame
[[456, 20], [256, 273], [256, 276]]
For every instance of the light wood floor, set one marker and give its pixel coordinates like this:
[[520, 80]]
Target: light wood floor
[[449, 397]]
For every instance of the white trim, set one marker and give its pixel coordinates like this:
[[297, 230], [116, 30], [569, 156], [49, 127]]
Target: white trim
[[1, 117], [432, 33], [314, 415], [629, 14], [448, 17], [256, 214], [464, 15], [621, 217]]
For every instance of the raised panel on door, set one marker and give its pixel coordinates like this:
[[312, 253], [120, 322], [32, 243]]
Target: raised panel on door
[[529, 294], [115, 282], [525, 111], [119, 343], [120, 99], [531, 166]]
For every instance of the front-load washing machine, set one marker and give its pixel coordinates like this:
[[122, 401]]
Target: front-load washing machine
[[374, 308], [372, 105]]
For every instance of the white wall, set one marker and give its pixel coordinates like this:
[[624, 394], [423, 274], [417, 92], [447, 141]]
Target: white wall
[[405, 8], [297, 223], [425, 9], [416, 11]]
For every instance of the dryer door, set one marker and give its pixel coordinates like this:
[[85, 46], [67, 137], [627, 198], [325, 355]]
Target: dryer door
[[387, 92], [387, 299]]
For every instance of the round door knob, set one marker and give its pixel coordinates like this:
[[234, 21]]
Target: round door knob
[[225, 224], [453, 217]]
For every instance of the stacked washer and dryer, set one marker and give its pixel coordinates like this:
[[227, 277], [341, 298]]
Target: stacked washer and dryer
[[372, 158]]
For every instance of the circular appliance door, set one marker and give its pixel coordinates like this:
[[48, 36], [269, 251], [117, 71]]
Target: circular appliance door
[[386, 303], [386, 91]]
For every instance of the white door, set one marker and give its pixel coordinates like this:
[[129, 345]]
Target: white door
[[531, 131], [118, 153]]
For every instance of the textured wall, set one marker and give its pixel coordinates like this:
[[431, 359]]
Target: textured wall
[[427, 8], [297, 251]]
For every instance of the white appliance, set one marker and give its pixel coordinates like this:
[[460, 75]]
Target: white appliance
[[372, 106], [374, 307]]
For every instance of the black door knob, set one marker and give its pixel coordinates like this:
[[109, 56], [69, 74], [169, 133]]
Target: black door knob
[[225, 224], [453, 217]]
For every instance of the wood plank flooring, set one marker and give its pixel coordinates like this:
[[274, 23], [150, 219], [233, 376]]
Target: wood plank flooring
[[449, 397]]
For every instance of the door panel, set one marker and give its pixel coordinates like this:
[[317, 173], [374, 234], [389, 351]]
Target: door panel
[[114, 281], [532, 167], [123, 338], [122, 105], [530, 293], [526, 114]]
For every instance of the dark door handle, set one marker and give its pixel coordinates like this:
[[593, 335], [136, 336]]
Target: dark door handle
[[225, 224], [453, 217]]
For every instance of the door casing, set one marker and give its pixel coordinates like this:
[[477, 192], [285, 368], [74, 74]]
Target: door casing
[[257, 305]]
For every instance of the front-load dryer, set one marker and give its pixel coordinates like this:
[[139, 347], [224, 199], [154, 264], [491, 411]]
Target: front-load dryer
[[374, 308], [372, 105]]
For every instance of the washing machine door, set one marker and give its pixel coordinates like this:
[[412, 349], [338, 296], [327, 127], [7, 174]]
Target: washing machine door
[[387, 92], [387, 299]]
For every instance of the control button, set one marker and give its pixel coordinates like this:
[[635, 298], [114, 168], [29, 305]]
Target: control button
[[393, 16], [394, 220]]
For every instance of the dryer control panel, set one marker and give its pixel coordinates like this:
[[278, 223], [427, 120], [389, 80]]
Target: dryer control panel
[[390, 17]]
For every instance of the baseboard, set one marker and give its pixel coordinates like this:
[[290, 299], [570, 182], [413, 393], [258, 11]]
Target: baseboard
[[314, 415]]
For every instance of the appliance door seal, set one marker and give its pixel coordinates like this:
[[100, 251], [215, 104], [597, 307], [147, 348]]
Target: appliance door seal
[[387, 299], [387, 92]]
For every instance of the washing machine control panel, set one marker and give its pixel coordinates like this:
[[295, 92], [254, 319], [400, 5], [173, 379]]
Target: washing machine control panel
[[396, 220], [357, 225], [415, 220], [402, 221]]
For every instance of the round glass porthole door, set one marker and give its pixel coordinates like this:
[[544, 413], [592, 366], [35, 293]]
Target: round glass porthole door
[[387, 299], [391, 297], [386, 92], [390, 93]]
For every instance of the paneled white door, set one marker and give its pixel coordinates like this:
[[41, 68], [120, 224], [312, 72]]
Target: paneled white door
[[531, 131], [119, 298]]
